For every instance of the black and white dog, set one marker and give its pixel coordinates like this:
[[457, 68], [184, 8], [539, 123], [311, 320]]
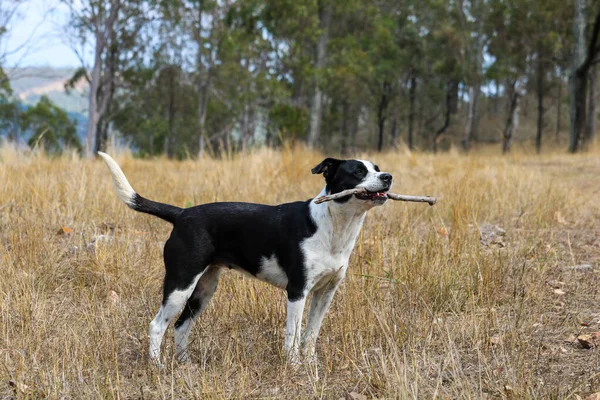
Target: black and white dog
[[301, 247]]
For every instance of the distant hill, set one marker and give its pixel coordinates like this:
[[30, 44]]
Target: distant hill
[[31, 83]]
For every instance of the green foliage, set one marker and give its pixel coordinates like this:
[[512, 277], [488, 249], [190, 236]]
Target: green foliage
[[241, 61], [50, 127]]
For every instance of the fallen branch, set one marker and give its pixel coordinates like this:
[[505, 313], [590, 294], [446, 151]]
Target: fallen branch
[[398, 197]]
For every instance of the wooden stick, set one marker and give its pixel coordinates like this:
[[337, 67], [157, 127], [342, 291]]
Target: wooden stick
[[398, 197]]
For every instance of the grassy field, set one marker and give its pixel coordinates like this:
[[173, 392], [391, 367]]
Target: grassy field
[[472, 298]]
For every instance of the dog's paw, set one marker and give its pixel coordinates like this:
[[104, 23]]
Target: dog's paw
[[311, 359], [157, 363], [294, 361], [183, 358]]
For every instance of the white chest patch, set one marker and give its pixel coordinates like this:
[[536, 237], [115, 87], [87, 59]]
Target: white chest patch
[[327, 252], [272, 273]]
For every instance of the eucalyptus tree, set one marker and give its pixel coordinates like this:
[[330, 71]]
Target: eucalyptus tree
[[110, 28]]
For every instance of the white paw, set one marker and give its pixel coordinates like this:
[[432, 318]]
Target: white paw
[[295, 361], [156, 362], [183, 358]]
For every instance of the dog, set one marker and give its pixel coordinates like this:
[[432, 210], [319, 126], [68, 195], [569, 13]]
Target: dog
[[301, 247]]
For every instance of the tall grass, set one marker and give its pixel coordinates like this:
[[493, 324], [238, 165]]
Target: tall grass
[[426, 311]]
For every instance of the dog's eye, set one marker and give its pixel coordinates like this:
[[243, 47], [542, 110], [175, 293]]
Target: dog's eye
[[361, 171], [376, 168]]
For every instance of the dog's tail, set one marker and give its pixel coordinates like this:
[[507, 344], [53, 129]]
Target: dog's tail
[[135, 201]]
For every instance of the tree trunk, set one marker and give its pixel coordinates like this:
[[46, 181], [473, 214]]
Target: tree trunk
[[471, 124], [93, 116], [577, 83], [474, 92], [496, 98], [151, 143], [411, 111], [559, 106], [103, 30], [540, 99], [578, 74], [248, 126], [355, 111], [450, 90], [381, 115], [106, 93], [316, 106], [512, 120], [590, 126], [171, 110], [202, 86], [344, 128]]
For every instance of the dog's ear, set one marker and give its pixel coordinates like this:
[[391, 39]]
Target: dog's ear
[[327, 166]]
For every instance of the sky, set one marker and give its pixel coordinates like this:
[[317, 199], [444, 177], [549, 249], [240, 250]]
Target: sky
[[41, 25]]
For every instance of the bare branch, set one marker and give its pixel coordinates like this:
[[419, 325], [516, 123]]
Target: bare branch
[[398, 197]]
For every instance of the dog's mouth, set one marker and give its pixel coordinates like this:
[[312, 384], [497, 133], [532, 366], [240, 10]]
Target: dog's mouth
[[372, 196]]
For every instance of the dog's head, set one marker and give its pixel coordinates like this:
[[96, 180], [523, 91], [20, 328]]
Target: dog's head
[[350, 174]]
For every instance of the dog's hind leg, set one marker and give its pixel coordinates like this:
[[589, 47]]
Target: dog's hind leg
[[196, 304], [172, 304], [185, 264]]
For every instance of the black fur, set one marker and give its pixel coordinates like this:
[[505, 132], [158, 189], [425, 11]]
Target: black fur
[[238, 235], [164, 211]]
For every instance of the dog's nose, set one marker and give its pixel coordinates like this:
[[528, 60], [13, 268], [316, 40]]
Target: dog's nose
[[387, 178]]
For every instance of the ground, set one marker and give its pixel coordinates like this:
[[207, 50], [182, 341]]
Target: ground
[[475, 297]]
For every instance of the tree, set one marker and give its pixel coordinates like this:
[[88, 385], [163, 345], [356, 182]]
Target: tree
[[475, 11], [316, 104], [96, 18], [113, 29], [50, 127], [582, 61]]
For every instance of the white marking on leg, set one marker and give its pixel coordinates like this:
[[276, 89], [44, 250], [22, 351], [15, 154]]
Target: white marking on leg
[[169, 310], [206, 287], [293, 328], [319, 306], [182, 335]]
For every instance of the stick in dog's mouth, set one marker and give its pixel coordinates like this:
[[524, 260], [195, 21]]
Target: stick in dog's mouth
[[364, 193]]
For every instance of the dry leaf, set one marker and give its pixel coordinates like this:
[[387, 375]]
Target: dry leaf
[[64, 231], [442, 231], [589, 341], [559, 292]]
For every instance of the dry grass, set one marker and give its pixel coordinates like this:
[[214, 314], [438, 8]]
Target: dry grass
[[426, 311]]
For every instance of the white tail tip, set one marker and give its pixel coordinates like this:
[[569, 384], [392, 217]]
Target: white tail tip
[[124, 190]]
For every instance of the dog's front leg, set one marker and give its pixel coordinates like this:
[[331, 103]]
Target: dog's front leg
[[293, 328], [319, 305]]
